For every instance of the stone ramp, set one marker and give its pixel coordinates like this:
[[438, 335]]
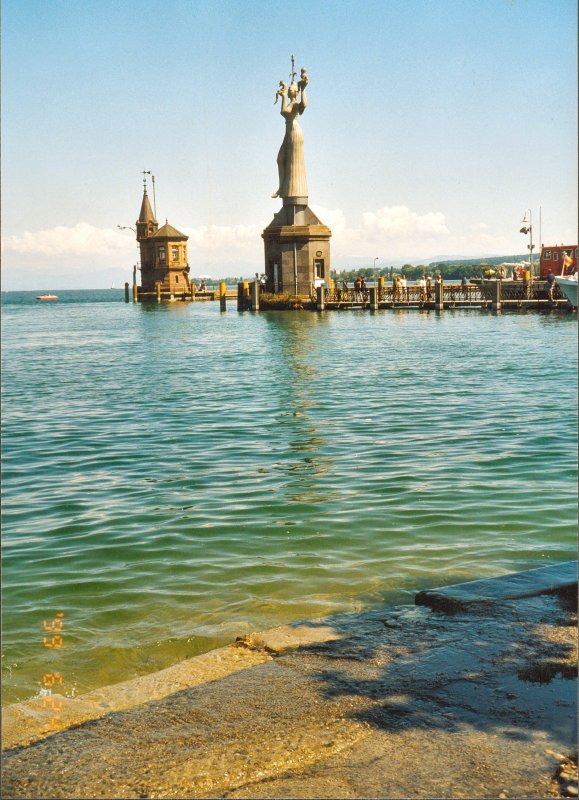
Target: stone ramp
[[404, 702], [543, 580]]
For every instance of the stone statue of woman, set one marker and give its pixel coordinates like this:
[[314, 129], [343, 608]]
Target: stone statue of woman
[[290, 160]]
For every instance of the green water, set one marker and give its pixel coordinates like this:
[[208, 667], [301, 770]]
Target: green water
[[175, 477]]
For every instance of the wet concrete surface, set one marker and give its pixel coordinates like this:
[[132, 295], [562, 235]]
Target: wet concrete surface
[[542, 580], [408, 702]]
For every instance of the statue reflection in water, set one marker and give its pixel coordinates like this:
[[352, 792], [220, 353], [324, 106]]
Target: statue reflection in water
[[302, 432]]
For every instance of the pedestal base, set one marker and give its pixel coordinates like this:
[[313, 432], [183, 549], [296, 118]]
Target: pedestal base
[[297, 250]]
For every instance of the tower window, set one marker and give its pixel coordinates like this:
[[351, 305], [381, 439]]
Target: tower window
[[162, 255], [175, 253]]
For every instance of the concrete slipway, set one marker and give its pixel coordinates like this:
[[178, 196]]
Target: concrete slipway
[[471, 694]]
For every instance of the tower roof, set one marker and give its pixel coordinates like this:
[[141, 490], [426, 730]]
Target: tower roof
[[146, 214], [169, 232]]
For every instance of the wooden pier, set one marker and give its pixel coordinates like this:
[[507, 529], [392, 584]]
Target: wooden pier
[[491, 294], [494, 295]]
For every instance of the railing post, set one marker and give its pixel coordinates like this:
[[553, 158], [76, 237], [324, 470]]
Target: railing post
[[222, 296], [321, 298]]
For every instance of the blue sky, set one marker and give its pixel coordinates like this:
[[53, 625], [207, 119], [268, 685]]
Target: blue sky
[[432, 125]]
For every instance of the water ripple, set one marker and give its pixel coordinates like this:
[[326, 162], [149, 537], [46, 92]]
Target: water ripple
[[174, 477]]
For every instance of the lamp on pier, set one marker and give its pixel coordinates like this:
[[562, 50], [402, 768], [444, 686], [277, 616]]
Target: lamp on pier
[[528, 229]]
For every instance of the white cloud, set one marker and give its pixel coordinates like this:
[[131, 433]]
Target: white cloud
[[81, 239], [390, 232], [223, 240], [399, 222], [335, 218]]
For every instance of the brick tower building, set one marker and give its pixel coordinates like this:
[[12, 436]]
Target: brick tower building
[[163, 254]]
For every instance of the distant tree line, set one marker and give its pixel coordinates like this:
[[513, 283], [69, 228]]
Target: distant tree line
[[451, 270]]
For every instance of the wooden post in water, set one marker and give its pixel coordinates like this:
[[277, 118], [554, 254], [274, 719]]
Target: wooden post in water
[[254, 295], [126, 291], [192, 289], [380, 288], [374, 297], [222, 296], [135, 287], [439, 295], [496, 295], [241, 296], [320, 298], [158, 289]]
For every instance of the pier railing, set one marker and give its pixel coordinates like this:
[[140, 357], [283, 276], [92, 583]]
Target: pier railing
[[486, 293], [409, 295]]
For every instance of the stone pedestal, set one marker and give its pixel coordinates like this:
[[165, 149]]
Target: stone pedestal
[[297, 249]]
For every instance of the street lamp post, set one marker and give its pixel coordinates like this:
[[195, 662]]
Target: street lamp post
[[374, 269], [528, 228]]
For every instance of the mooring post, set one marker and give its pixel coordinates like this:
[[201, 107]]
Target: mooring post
[[240, 297], [158, 290], [439, 295], [192, 290], [320, 298], [496, 304], [126, 291], [374, 297], [254, 296], [222, 296], [380, 288], [135, 293]]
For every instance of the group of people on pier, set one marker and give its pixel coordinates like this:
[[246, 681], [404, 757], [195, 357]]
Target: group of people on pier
[[400, 289], [425, 283]]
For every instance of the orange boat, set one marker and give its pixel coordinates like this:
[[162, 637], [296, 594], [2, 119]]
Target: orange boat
[[47, 297]]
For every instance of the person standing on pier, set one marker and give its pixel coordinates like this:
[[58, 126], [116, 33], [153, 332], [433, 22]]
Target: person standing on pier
[[422, 285], [550, 284], [404, 287]]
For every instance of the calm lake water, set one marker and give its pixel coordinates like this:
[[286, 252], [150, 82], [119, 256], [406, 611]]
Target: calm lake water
[[175, 477]]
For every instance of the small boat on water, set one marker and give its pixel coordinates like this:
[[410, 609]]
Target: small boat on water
[[568, 286], [47, 297]]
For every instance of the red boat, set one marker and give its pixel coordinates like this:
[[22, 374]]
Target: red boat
[[561, 258]]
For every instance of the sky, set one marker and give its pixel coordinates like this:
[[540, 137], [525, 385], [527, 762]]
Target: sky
[[431, 127]]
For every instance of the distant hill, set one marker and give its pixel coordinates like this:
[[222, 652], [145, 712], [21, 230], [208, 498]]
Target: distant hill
[[476, 262]]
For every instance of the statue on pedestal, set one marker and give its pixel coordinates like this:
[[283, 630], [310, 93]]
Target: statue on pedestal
[[290, 160]]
